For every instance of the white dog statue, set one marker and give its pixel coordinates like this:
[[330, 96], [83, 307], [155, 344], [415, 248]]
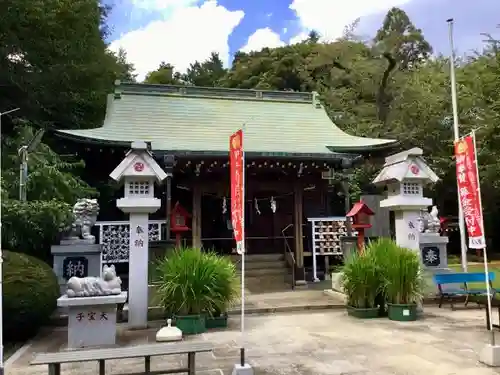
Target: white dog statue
[[109, 284]]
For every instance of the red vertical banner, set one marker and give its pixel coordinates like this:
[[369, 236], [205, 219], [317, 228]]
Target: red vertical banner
[[236, 161], [468, 191]]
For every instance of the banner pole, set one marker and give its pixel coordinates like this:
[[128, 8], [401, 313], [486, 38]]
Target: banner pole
[[243, 250], [456, 136], [485, 256]]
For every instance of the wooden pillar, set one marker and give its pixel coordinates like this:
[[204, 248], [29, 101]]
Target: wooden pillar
[[298, 231], [196, 219], [168, 161]]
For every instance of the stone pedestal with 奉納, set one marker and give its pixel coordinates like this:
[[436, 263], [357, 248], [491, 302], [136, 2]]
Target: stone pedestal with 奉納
[[91, 320], [138, 172], [405, 175]]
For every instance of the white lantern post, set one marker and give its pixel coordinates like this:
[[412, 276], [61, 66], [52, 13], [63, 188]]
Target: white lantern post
[[138, 172]]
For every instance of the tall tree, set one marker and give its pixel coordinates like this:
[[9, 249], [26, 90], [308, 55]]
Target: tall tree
[[164, 75], [282, 68], [53, 61], [399, 37], [207, 73], [313, 37], [403, 46], [349, 32], [124, 69]]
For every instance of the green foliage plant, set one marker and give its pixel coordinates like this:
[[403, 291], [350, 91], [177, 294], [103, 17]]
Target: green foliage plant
[[225, 282], [399, 269], [361, 280], [31, 227], [30, 292], [403, 278], [192, 282]]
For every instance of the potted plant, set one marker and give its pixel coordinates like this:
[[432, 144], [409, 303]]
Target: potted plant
[[226, 288], [361, 283], [382, 250], [403, 284], [188, 286]]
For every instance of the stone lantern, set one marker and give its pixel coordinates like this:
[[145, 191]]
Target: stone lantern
[[405, 174], [138, 172]]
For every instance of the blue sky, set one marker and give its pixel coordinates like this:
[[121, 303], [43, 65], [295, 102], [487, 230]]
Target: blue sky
[[182, 31]]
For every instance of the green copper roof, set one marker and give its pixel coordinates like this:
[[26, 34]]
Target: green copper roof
[[198, 119]]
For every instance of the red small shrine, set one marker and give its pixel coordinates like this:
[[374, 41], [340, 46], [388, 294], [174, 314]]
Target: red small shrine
[[360, 214], [178, 222]]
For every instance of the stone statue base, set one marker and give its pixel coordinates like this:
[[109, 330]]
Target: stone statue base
[[433, 252], [91, 320], [75, 258], [77, 241]]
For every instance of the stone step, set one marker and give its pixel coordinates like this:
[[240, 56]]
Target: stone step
[[279, 264], [266, 283], [256, 272], [258, 258]]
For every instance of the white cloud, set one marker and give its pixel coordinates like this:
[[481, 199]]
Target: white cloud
[[262, 38], [174, 39], [329, 18], [162, 4], [324, 16], [303, 35]]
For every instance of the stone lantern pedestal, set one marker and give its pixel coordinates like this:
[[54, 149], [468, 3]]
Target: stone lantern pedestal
[[138, 172], [405, 175]]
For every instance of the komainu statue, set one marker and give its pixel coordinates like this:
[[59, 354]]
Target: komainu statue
[[429, 222], [108, 285], [85, 211]]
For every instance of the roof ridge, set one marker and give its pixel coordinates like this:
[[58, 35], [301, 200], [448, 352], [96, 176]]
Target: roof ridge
[[214, 92]]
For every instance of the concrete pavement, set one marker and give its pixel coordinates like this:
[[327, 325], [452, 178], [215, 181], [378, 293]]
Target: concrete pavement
[[326, 342]]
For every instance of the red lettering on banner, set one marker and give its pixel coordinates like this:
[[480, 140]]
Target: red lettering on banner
[[237, 189], [468, 191]]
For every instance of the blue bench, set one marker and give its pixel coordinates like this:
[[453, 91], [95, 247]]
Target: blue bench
[[462, 281]]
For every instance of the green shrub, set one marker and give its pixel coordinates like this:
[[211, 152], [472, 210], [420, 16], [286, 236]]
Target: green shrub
[[225, 282], [404, 282], [361, 280], [400, 269], [30, 292], [191, 282], [382, 250], [32, 227]]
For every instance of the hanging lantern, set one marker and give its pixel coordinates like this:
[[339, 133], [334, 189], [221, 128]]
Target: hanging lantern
[[273, 205], [224, 206], [256, 203]]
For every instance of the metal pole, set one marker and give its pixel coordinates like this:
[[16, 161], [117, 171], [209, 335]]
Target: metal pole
[[242, 349], [1, 295], [456, 136], [23, 173], [485, 256], [1, 311]]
